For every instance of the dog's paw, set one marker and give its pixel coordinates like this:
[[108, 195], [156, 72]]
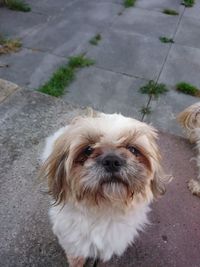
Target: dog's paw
[[194, 187], [76, 262]]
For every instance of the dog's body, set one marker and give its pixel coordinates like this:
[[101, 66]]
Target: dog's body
[[189, 119], [103, 194], [99, 234]]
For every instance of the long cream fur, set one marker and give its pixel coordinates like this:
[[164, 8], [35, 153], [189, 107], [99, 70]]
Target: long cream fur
[[92, 219], [190, 121]]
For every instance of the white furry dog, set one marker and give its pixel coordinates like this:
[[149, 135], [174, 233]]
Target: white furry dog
[[190, 120], [103, 171]]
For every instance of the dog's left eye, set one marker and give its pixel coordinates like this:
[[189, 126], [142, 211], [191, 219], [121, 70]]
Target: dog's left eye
[[134, 151], [88, 151]]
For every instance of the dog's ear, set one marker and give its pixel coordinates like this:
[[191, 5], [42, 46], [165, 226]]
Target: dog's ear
[[54, 169], [157, 184], [159, 181], [88, 112]]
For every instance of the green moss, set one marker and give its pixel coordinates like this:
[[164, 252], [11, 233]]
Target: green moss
[[187, 88], [18, 5], [166, 40], [64, 75], [129, 3], [169, 11]]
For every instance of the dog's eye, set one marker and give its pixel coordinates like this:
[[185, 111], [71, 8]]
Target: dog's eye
[[134, 151], [88, 151]]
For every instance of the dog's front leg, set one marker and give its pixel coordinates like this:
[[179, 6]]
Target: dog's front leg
[[75, 261]]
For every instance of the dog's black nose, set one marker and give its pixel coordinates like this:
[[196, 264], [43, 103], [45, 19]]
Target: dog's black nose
[[112, 163]]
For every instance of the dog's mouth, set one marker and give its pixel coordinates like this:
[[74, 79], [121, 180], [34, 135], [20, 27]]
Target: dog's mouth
[[113, 180]]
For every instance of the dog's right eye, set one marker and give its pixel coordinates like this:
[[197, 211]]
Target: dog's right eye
[[88, 151], [134, 151]]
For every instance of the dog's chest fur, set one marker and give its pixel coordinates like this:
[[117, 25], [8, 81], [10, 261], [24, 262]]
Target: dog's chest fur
[[94, 235]]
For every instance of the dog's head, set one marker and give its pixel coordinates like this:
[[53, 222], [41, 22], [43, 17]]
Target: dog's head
[[105, 159], [189, 118]]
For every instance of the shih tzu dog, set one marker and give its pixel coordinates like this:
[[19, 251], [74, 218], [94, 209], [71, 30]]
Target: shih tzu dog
[[190, 121], [103, 171]]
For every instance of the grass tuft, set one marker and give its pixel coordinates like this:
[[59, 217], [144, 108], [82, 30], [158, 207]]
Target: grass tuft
[[95, 40], [166, 40], [64, 76], [187, 88], [80, 61], [57, 83], [129, 3], [188, 3], [9, 45], [169, 11], [154, 89], [145, 110], [18, 5]]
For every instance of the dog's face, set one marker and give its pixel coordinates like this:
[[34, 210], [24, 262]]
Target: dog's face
[[104, 159], [190, 117]]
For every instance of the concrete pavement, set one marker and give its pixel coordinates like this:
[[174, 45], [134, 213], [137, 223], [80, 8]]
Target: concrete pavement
[[128, 55]]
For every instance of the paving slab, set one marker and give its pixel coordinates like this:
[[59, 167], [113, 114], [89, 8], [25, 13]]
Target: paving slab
[[61, 37], [164, 110], [172, 238], [183, 64], [49, 7], [30, 68], [17, 24], [160, 5], [147, 22], [26, 239], [130, 53], [107, 91], [70, 32], [186, 36]]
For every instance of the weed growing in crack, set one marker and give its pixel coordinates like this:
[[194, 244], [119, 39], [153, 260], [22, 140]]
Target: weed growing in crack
[[154, 89], [64, 75], [95, 40], [188, 3], [145, 111]]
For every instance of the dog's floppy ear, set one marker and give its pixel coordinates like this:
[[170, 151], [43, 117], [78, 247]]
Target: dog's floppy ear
[[55, 171], [158, 182], [160, 179]]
